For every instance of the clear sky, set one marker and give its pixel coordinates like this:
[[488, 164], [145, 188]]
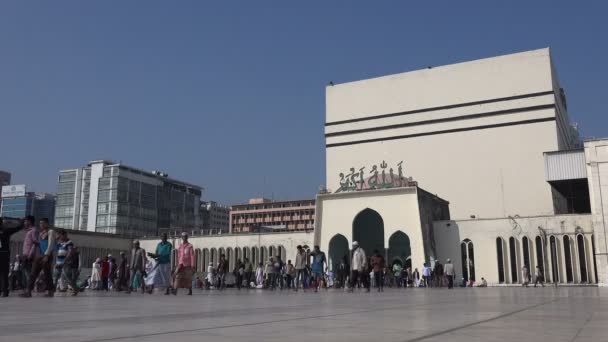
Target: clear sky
[[230, 94]]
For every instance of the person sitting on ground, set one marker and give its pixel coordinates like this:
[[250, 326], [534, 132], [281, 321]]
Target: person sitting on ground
[[483, 283]]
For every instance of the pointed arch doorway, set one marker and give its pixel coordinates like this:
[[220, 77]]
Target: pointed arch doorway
[[338, 250], [399, 250], [368, 230]]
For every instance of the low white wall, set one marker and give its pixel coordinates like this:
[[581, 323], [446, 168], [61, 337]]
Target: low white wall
[[237, 246]]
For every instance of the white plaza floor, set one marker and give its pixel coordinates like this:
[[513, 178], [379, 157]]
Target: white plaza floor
[[490, 314]]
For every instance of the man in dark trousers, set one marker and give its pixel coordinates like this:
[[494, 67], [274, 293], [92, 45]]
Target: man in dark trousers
[[6, 230], [122, 273]]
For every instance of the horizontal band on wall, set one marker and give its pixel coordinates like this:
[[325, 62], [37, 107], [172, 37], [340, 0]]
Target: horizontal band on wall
[[434, 121], [455, 130], [430, 109]]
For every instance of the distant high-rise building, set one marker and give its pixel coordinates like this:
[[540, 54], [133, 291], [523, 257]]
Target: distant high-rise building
[[215, 218], [17, 202], [5, 178], [261, 215], [114, 198]]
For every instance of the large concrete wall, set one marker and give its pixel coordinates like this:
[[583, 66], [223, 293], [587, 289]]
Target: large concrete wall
[[484, 232], [491, 172], [596, 155]]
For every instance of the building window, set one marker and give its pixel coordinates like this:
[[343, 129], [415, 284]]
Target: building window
[[500, 258], [540, 255], [582, 258], [594, 261], [468, 260], [554, 261], [66, 188], [568, 259], [526, 250], [513, 258]]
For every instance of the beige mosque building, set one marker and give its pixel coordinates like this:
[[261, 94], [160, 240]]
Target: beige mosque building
[[475, 161]]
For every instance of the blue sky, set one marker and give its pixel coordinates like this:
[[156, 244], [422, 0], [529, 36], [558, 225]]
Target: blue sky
[[230, 95]]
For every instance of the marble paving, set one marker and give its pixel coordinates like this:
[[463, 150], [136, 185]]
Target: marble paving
[[480, 314]]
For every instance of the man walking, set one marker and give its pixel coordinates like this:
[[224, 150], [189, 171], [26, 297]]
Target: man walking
[[525, 275], [239, 271], [222, 269], [30, 249], [105, 273], [112, 276], [248, 271], [426, 275], [290, 273], [319, 262], [539, 277], [5, 253], [16, 276], [300, 266], [438, 274], [278, 272], [270, 276], [137, 267], [43, 260], [162, 276], [377, 262], [67, 262], [185, 266], [122, 273], [449, 273], [359, 266]]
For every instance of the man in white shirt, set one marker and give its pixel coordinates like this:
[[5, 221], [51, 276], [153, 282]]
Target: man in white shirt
[[426, 275], [358, 268], [300, 267], [448, 270]]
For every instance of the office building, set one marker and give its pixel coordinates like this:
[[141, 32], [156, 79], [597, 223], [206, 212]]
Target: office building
[[215, 218], [262, 214], [17, 202], [115, 198], [5, 178]]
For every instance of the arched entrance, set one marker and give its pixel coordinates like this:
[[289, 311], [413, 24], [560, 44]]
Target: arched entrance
[[525, 246], [467, 253], [368, 230], [197, 260], [582, 258], [500, 247], [554, 262], [338, 248], [399, 249], [513, 259], [568, 259], [540, 256]]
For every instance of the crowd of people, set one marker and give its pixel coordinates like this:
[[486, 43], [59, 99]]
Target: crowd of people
[[50, 262]]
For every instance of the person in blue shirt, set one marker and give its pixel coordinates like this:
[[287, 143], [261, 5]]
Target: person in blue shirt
[[162, 274], [318, 266]]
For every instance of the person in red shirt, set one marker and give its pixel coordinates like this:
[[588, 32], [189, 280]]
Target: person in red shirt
[[377, 263], [105, 273]]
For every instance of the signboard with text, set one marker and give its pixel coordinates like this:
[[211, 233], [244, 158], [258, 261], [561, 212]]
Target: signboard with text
[[13, 190]]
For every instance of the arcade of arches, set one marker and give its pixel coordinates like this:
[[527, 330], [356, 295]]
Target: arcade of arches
[[255, 254], [560, 258]]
